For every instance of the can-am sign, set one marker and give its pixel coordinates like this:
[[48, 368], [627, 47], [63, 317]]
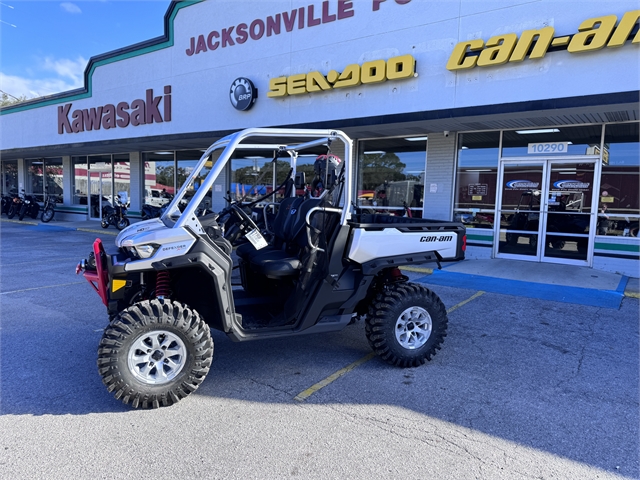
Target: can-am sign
[[593, 34], [139, 112]]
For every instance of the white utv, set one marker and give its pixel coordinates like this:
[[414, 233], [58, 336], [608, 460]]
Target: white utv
[[311, 262]]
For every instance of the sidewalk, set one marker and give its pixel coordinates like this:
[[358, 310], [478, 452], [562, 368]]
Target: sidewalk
[[548, 281]]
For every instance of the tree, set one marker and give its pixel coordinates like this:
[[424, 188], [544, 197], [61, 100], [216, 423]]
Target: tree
[[378, 168], [7, 99]]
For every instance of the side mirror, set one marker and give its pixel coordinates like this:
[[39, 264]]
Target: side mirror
[[300, 180]]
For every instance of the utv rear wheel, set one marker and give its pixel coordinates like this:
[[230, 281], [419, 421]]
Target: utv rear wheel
[[406, 324], [155, 353]]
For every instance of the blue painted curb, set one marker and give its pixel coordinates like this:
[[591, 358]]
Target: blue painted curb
[[542, 291]]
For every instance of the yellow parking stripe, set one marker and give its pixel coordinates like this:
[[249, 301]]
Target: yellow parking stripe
[[418, 269], [302, 396], [38, 288]]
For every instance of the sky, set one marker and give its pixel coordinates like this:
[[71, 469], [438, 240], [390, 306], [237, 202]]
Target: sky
[[45, 45]]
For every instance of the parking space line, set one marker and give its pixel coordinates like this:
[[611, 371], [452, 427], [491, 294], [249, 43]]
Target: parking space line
[[464, 302], [39, 288], [302, 396]]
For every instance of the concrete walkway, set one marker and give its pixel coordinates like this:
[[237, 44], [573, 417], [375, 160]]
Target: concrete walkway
[[549, 281]]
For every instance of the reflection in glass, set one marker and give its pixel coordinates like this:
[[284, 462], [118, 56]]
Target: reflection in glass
[[558, 141], [476, 178], [391, 175], [9, 178], [619, 203], [80, 188]]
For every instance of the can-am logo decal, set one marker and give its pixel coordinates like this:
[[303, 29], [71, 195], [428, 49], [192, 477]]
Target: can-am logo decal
[[571, 184], [243, 94], [140, 112], [434, 238], [522, 184], [593, 34]]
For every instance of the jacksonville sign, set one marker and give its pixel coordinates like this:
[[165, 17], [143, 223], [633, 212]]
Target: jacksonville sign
[[307, 16], [142, 111], [593, 34]]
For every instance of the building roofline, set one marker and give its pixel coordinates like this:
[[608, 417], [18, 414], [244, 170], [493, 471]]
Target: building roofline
[[137, 49]]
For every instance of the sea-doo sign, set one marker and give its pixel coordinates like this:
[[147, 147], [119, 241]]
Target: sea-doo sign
[[243, 94], [571, 185], [522, 184]]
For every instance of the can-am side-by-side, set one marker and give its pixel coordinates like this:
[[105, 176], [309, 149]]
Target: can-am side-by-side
[[309, 259]]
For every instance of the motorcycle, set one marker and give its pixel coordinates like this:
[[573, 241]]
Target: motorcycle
[[116, 215], [48, 211], [7, 201], [29, 207], [151, 211]]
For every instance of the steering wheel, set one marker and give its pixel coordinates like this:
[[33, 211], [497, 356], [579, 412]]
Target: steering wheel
[[246, 222]]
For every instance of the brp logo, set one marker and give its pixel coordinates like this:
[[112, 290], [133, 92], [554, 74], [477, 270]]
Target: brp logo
[[243, 94]]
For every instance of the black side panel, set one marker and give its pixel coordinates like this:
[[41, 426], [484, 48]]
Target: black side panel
[[212, 260]]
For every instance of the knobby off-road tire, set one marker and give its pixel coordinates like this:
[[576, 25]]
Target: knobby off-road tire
[[155, 353], [406, 324]]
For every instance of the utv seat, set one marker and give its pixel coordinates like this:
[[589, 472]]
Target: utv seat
[[281, 227], [285, 262]]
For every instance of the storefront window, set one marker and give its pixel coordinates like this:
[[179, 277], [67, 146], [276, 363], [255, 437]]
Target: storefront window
[[53, 178], [122, 177], [44, 177], [619, 205], [9, 178], [252, 175], [476, 178], [35, 175], [80, 190], [187, 161], [391, 175], [100, 183], [552, 142], [159, 178]]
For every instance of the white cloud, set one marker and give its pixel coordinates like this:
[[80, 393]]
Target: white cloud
[[69, 75], [70, 7], [67, 68]]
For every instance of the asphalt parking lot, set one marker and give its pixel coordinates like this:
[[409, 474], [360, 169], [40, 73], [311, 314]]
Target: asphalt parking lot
[[522, 388]]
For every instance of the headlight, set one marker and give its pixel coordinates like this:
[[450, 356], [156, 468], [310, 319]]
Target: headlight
[[146, 251]]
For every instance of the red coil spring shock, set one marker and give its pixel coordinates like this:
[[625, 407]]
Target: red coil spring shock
[[163, 284]]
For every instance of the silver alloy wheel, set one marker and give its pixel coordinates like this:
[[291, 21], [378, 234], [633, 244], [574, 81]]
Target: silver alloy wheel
[[413, 328], [157, 357]]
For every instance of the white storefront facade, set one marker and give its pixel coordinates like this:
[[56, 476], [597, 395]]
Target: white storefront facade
[[519, 118]]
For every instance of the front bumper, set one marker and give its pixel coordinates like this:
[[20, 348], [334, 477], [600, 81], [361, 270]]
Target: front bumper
[[98, 275]]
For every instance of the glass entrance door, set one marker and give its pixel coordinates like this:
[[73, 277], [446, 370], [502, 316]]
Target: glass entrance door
[[99, 192], [520, 198], [569, 212], [546, 211]]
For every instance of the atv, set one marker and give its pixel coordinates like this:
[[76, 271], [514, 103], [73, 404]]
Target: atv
[[309, 263]]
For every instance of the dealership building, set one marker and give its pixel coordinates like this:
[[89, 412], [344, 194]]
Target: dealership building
[[518, 118]]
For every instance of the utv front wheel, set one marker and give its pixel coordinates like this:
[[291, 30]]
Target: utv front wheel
[[155, 353], [406, 324]]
